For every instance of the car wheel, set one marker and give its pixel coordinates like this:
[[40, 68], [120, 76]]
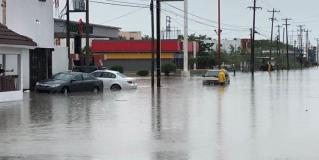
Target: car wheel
[[115, 87], [65, 91], [96, 90]]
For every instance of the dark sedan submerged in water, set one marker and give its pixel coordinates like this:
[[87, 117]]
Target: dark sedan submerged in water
[[66, 82]]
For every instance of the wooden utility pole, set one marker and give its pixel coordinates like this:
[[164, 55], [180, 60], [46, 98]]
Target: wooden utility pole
[[295, 42], [68, 33], [317, 51], [287, 41], [4, 12], [87, 31], [301, 44], [158, 42], [252, 60], [153, 43], [272, 31], [219, 37]]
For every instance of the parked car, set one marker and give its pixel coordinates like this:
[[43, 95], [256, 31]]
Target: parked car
[[211, 77], [115, 80], [66, 82]]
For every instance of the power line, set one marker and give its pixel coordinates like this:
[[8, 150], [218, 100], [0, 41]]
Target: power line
[[119, 4]]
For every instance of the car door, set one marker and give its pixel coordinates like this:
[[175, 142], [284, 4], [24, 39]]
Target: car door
[[108, 79], [88, 82], [76, 83]]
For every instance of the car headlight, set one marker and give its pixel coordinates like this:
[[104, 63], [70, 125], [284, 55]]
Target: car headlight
[[37, 84], [55, 85]]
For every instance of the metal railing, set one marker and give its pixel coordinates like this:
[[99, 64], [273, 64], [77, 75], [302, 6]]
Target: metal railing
[[8, 83]]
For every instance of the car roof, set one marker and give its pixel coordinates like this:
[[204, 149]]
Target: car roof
[[72, 73], [106, 70]]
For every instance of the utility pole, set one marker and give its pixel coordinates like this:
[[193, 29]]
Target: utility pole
[[278, 42], [272, 31], [301, 44], [252, 63], [317, 51], [283, 42], [185, 70], [153, 43], [168, 27], [219, 31], [307, 44], [87, 30], [4, 12], [287, 41], [158, 42], [68, 33], [295, 42]]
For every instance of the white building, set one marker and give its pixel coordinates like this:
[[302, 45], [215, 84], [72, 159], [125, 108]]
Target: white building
[[13, 48], [34, 19], [228, 46]]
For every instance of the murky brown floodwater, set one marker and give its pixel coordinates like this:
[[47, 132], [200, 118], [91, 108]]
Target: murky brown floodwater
[[273, 117]]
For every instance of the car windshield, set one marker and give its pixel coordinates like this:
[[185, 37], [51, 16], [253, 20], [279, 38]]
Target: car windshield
[[212, 74], [121, 75], [63, 76]]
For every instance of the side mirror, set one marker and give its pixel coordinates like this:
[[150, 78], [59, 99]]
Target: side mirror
[[203, 75], [73, 80]]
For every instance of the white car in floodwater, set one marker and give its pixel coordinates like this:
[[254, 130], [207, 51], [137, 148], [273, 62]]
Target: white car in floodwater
[[114, 80]]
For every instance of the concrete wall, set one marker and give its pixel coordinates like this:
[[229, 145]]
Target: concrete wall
[[32, 18], [59, 60]]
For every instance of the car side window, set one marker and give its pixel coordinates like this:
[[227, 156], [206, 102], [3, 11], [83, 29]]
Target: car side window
[[78, 78], [96, 74], [108, 75], [87, 77]]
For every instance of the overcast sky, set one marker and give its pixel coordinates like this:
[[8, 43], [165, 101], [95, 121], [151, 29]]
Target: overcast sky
[[236, 18]]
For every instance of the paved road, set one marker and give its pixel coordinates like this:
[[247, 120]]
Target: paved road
[[273, 117]]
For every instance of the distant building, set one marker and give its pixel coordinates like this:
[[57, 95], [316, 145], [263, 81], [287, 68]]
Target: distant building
[[131, 35], [135, 55], [102, 32], [228, 46]]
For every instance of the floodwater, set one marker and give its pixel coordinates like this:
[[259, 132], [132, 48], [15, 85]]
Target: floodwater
[[274, 116]]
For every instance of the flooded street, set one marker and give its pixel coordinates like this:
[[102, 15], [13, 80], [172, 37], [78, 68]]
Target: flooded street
[[274, 116]]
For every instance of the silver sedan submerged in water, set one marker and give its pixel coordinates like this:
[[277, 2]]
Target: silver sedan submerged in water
[[114, 80]]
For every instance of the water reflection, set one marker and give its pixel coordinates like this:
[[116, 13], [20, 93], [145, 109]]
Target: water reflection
[[156, 114], [220, 123], [41, 113], [169, 126]]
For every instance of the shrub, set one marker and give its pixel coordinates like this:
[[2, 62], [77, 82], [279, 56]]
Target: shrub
[[168, 68], [117, 68], [142, 73]]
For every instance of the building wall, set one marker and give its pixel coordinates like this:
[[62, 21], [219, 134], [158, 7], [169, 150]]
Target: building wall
[[60, 57], [32, 18], [98, 30], [226, 45], [11, 62], [131, 35]]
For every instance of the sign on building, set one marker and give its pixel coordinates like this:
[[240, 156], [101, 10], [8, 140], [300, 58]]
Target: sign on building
[[79, 5]]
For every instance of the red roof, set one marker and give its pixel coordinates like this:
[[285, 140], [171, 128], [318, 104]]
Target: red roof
[[100, 46]]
